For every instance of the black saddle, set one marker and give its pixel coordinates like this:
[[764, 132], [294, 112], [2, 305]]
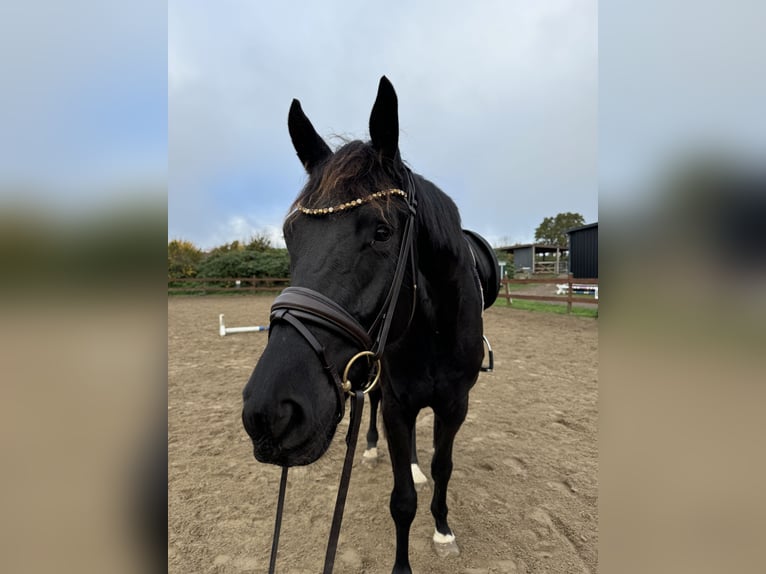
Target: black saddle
[[487, 267]]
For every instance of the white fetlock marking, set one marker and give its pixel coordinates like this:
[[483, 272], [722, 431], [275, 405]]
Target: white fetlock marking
[[417, 474], [440, 538], [370, 453]]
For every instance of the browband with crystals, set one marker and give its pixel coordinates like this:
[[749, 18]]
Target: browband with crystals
[[349, 204]]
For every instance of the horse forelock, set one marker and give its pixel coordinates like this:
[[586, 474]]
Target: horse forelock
[[354, 171]]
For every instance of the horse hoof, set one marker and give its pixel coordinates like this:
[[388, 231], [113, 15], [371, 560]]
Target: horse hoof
[[445, 545], [370, 458], [370, 462], [446, 549]]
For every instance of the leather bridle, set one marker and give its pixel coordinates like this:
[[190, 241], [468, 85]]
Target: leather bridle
[[299, 306]]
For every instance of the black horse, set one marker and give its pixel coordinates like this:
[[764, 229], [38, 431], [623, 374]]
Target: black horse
[[379, 263]]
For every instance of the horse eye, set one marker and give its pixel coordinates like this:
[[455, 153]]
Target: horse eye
[[382, 233]]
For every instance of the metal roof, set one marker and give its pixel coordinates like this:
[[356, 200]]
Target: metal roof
[[537, 246], [582, 227]]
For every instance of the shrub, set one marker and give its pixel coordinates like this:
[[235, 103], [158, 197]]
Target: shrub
[[246, 263]]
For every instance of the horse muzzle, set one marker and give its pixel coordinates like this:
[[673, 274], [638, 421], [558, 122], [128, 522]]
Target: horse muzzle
[[283, 435], [289, 410]]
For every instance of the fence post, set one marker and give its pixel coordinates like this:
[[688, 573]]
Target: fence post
[[569, 295], [507, 291]]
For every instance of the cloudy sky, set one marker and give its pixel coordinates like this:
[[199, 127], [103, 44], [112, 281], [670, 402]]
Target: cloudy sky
[[497, 105], [83, 107]]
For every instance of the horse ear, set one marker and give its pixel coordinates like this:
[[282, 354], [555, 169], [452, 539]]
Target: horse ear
[[384, 121], [309, 145]]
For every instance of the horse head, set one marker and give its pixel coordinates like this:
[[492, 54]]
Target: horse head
[[349, 234]]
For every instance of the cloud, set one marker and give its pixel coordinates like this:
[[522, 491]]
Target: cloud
[[242, 228], [83, 105], [497, 101]]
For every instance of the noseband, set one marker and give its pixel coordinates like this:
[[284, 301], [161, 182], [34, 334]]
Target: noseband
[[298, 306]]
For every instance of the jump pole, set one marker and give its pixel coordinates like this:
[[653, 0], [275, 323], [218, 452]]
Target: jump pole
[[223, 330]]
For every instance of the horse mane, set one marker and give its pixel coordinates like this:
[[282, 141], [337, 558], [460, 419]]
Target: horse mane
[[438, 220]]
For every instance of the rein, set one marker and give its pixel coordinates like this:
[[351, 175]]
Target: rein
[[296, 305], [357, 405]]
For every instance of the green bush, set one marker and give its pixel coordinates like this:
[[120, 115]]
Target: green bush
[[246, 263]]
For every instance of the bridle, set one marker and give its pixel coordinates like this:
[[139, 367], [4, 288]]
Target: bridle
[[300, 306]]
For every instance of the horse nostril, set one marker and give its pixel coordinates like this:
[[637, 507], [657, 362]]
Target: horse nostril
[[255, 423], [275, 424], [288, 415]]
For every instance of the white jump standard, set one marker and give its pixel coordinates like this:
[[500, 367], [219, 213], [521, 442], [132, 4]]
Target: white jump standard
[[223, 330], [563, 288]]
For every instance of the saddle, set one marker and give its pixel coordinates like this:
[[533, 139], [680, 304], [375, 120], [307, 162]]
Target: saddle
[[487, 269]]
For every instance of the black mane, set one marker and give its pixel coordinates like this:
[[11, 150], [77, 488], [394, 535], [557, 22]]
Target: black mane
[[440, 236]]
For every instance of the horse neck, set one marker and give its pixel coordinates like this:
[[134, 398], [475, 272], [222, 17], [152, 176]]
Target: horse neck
[[448, 294], [448, 290]]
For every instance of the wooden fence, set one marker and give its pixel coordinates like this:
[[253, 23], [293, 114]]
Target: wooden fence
[[206, 285], [568, 298]]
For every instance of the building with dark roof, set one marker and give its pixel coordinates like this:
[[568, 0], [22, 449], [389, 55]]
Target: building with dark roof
[[583, 251], [533, 258]]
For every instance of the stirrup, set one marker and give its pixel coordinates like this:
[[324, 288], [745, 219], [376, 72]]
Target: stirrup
[[491, 366]]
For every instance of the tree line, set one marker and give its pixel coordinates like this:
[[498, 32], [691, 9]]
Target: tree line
[[256, 257]]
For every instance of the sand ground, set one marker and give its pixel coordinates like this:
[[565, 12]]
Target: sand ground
[[523, 495]]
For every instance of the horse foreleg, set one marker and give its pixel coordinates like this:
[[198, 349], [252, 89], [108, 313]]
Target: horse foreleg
[[417, 475], [370, 455], [441, 470], [404, 498]]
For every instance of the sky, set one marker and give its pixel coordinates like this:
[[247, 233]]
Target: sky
[[676, 79], [498, 106], [83, 107], [518, 110]]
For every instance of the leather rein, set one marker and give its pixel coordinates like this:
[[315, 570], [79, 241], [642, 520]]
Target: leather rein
[[298, 306]]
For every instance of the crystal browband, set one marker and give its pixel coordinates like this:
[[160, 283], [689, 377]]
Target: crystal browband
[[349, 204]]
